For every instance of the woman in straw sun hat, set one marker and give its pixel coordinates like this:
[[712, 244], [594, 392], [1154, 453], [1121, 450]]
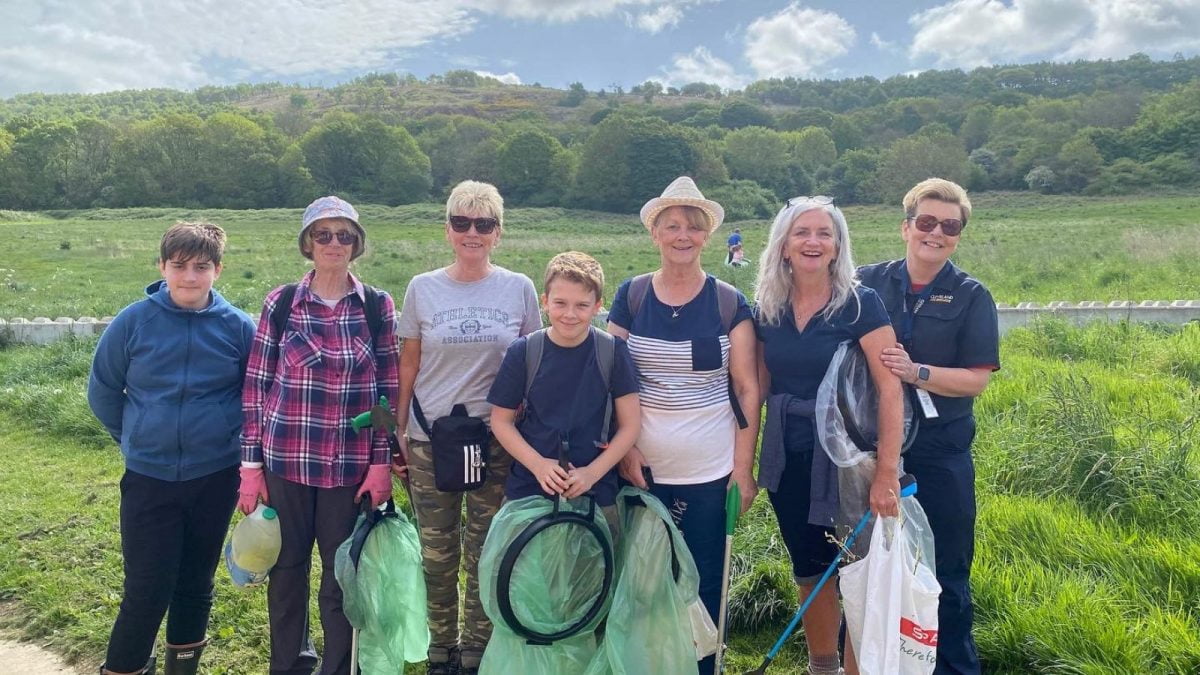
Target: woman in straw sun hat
[[688, 334]]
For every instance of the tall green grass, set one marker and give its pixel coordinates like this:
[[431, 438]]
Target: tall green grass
[[1087, 556]]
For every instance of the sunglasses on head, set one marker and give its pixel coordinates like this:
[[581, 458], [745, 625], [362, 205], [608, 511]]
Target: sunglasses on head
[[344, 237], [951, 227], [482, 225], [819, 200]]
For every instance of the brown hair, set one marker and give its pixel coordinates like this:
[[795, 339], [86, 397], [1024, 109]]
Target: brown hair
[[204, 241], [941, 190], [578, 267]]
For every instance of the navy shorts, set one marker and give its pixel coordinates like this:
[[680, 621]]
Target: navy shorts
[[810, 546]]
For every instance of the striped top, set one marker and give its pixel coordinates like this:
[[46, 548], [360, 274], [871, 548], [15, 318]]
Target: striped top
[[682, 358]]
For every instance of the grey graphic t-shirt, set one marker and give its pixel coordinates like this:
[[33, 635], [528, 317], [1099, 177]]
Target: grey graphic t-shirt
[[464, 329]]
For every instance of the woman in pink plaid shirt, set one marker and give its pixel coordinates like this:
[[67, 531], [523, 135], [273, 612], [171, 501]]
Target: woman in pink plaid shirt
[[299, 453]]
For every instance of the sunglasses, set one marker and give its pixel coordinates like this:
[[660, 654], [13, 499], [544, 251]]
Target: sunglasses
[[951, 227], [820, 200], [482, 225], [344, 237]]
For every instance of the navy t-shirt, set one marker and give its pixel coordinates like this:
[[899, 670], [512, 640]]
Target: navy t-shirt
[[568, 397], [797, 360]]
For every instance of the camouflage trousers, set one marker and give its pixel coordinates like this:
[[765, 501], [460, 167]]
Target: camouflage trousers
[[443, 543]]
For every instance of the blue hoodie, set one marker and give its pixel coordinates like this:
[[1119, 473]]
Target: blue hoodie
[[167, 384]]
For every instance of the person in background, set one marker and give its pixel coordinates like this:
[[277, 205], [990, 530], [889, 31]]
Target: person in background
[[166, 382], [949, 345], [325, 350]]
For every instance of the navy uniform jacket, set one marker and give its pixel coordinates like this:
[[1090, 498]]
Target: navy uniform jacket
[[956, 328]]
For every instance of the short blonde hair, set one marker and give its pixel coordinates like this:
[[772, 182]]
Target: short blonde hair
[[941, 190], [578, 267], [472, 195], [694, 215]]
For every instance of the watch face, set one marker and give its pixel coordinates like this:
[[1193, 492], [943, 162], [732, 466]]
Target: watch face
[[922, 373]]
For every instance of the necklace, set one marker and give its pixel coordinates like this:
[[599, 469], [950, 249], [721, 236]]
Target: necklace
[[675, 310]]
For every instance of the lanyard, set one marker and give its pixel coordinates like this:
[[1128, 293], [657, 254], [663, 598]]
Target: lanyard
[[906, 322]]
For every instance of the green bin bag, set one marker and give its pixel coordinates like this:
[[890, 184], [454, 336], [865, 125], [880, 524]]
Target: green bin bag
[[649, 627], [558, 577], [384, 596]]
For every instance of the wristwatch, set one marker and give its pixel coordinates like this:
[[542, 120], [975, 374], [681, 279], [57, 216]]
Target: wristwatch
[[922, 374]]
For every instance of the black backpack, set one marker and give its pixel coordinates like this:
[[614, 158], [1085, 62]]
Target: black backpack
[[727, 297], [371, 308]]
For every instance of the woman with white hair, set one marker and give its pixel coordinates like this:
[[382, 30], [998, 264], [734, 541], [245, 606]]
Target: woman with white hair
[[457, 322], [808, 303], [690, 337]]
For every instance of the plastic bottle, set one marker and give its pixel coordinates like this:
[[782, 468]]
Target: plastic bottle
[[254, 547]]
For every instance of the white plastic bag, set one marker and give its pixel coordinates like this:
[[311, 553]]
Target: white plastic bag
[[704, 633], [890, 598]]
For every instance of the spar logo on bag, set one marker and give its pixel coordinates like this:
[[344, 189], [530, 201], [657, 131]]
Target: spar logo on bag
[[923, 647], [925, 636]]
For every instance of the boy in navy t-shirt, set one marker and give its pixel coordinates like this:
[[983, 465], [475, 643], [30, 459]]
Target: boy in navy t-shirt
[[567, 398]]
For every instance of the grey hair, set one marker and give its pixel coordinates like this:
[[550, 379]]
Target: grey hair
[[773, 286]]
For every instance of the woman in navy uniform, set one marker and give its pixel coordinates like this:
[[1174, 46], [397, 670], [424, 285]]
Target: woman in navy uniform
[[949, 345]]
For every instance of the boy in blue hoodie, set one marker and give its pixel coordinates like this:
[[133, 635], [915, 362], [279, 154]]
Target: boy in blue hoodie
[[166, 382]]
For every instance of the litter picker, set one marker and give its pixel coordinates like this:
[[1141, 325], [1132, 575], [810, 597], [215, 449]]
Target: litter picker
[[908, 487], [733, 507]]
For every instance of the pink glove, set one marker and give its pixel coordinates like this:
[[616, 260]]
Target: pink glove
[[378, 484], [252, 488]]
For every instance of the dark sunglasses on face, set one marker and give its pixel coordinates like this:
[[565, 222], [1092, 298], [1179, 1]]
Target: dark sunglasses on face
[[344, 237], [461, 224], [951, 227]]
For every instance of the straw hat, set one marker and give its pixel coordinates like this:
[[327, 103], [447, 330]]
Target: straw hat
[[683, 192]]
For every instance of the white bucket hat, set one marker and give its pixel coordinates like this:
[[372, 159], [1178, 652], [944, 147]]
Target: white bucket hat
[[683, 192]]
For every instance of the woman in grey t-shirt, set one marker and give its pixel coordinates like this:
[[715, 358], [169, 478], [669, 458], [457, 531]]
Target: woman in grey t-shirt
[[456, 324]]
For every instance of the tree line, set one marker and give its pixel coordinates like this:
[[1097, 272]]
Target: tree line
[[1102, 127]]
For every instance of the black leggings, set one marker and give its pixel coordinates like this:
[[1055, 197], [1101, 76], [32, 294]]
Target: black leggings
[[171, 535]]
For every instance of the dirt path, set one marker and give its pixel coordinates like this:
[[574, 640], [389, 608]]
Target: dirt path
[[21, 657]]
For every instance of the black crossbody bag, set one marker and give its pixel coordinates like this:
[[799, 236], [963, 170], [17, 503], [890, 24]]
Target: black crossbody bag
[[460, 448]]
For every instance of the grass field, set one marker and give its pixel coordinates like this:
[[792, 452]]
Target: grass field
[[1087, 558], [1024, 247]]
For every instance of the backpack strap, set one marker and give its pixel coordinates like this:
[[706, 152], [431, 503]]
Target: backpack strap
[[373, 309], [727, 296], [639, 286], [535, 345], [282, 310], [606, 348]]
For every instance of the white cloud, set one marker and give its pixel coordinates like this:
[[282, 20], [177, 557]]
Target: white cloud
[[881, 44], [507, 78], [796, 41], [100, 45], [655, 21], [96, 45], [700, 65], [969, 33]]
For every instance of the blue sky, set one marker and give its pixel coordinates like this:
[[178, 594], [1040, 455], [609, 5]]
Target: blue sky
[[103, 45]]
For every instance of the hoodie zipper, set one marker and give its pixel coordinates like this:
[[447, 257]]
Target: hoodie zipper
[[187, 360]]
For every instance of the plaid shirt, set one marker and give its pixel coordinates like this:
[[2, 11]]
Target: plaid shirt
[[301, 391]]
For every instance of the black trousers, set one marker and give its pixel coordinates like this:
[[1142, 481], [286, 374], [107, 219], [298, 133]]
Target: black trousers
[[308, 514], [940, 459], [171, 536]]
